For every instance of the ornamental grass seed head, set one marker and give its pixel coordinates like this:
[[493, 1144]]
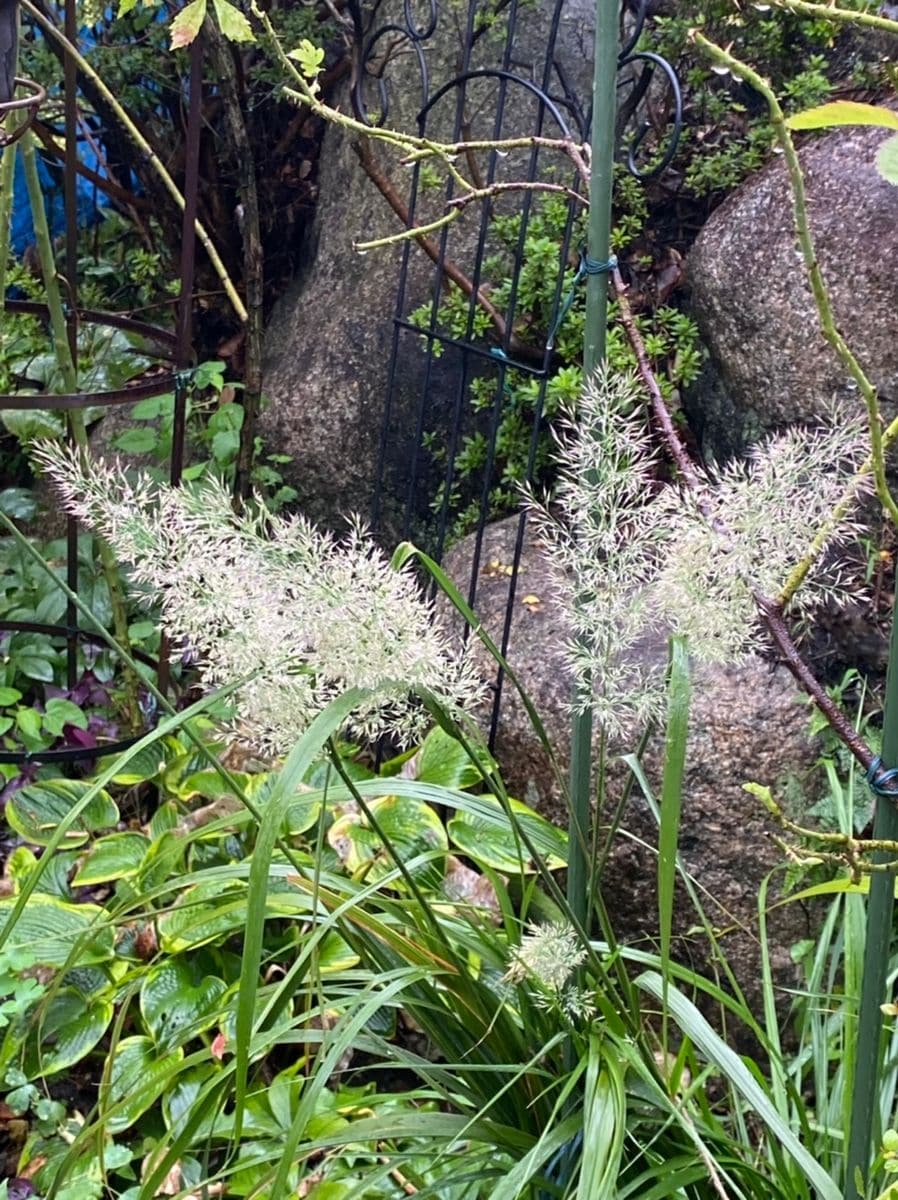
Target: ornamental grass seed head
[[635, 556], [300, 614], [549, 954]]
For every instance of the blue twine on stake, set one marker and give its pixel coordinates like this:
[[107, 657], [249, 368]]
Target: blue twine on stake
[[879, 780], [587, 266]]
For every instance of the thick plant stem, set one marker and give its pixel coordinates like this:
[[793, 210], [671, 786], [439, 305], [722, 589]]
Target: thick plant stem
[[69, 371], [845, 16], [598, 249], [866, 1128], [146, 150], [828, 326]]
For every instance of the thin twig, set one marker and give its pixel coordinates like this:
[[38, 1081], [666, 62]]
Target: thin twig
[[660, 411], [828, 326], [842, 727]]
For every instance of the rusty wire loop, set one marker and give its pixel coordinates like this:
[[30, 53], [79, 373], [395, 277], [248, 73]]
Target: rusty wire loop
[[31, 103]]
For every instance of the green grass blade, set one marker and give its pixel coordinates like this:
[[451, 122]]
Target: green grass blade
[[694, 1026], [604, 1122], [104, 778], [678, 699], [297, 764], [403, 554]]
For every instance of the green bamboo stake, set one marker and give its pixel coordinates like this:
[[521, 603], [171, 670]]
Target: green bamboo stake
[[598, 251], [866, 1130], [68, 367]]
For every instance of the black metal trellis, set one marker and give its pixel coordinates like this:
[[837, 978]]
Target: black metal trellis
[[173, 351], [519, 95]]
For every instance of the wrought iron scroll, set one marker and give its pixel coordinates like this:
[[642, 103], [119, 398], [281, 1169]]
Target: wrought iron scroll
[[650, 120]]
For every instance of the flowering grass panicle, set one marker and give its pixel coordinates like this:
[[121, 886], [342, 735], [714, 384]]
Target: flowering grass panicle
[[549, 954], [741, 534], [605, 540], [636, 556], [301, 615]]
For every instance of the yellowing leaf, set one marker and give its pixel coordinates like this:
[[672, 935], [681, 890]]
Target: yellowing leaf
[[186, 24], [233, 23], [843, 112]]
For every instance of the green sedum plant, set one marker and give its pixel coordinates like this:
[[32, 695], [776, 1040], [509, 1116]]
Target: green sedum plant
[[671, 341]]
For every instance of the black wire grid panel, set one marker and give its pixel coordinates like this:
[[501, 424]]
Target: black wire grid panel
[[172, 351], [520, 68]]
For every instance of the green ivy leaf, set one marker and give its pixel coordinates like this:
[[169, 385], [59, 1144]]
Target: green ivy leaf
[[234, 25], [887, 160], [186, 24]]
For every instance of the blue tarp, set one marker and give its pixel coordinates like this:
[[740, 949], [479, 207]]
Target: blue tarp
[[90, 199]]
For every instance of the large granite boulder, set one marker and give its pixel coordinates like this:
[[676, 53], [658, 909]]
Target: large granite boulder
[[330, 339], [747, 723], [753, 303]]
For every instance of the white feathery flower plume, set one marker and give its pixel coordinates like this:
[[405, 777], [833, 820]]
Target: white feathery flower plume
[[635, 556], [307, 615], [605, 543]]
